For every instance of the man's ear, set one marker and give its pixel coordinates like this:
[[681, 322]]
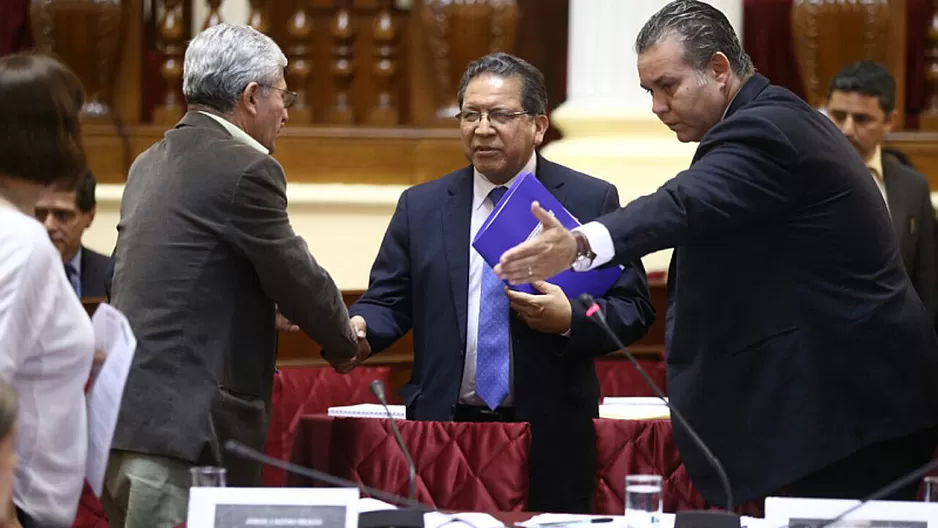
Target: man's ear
[[249, 97], [91, 216], [891, 119], [540, 127], [721, 68]]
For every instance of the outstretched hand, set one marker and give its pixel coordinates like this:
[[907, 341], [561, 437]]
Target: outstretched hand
[[542, 257]]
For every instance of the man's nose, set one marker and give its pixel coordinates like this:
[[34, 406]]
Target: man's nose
[[848, 127]]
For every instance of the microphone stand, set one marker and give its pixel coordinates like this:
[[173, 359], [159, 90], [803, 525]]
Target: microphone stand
[[684, 519], [403, 518]]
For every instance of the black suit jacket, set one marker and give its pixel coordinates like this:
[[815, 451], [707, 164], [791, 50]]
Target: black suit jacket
[[794, 336], [94, 273], [913, 219], [420, 281]]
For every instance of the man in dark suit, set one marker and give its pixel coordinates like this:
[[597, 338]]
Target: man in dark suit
[[481, 353], [861, 101], [796, 345], [66, 215], [205, 252]]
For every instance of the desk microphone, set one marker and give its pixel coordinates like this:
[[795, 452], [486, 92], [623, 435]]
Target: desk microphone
[[403, 518], [409, 518], [377, 388], [684, 519], [885, 491]]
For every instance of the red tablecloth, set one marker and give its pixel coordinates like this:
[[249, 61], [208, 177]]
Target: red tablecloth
[[460, 466]]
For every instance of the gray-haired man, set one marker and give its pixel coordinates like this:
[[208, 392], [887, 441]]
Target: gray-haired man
[[205, 255]]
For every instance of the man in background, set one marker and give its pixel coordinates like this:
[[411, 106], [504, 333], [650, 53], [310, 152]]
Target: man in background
[[66, 215], [205, 254], [861, 101]]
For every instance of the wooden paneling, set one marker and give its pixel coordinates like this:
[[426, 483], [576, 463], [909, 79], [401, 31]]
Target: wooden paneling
[[403, 156], [922, 150]]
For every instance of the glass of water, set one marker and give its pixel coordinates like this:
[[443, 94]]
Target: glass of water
[[931, 489], [643, 500], [207, 477]]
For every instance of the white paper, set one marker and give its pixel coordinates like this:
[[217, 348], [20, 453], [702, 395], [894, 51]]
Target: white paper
[[460, 520], [618, 521], [367, 410], [780, 511], [113, 336], [206, 504]]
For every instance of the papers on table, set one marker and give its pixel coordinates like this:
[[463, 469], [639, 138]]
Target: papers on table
[[113, 337], [612, 408], [634, 409], [559, 520]]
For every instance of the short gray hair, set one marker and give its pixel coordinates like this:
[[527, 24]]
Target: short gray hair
[[222, 60], [702, 31]]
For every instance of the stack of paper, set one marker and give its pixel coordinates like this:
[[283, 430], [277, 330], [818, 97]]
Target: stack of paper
[[367, 410], [634, 409]]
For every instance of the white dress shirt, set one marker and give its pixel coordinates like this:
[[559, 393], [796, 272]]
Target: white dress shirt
[[481, 208], [46, 349]]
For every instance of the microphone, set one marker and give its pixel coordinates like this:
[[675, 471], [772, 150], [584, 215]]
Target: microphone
[[409, 518], [684, 519], [886, 490], [377, 388], [239, 450]]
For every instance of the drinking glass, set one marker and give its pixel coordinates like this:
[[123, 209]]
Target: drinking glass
[[931, 489], [207, 476], [643, 501]]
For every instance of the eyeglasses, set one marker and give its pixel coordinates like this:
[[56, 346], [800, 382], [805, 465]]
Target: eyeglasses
[[289, 98], [498, 117]]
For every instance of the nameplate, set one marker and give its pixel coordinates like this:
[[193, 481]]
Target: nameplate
[[280, 507], [812, 513]]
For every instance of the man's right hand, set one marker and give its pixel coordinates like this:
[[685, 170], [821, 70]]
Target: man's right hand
[[360, 329]]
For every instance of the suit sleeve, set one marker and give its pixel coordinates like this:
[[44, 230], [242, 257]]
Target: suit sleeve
[[627, 306], [259, 229], [925, 271], [743, 173], [387, 305]]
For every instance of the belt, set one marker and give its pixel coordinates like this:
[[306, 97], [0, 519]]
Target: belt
[[471, 413]]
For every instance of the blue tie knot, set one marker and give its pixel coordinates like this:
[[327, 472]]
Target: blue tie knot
[[496, 194]]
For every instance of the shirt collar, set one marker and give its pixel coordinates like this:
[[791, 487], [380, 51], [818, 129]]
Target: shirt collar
[[76, 261], [237, 133], [875, 164], [482, 186], [727, 109]]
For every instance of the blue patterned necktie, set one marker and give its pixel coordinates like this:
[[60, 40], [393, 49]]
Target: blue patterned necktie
[[72, 275], [492, 349]]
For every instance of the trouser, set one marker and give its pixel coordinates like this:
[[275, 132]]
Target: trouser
[[145, 491]]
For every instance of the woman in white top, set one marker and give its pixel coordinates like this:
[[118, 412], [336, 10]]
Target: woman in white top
[[46, 338]]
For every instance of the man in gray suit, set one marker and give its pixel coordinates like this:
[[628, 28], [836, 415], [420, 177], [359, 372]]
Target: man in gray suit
[[205, 256], [861, 101]]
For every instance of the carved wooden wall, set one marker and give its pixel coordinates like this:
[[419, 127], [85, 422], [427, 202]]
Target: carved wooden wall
[[829, 34], [378, 84]]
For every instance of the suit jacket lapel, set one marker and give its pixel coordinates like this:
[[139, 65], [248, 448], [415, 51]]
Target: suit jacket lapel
[[456, 216], [549, 175], [897, 203]]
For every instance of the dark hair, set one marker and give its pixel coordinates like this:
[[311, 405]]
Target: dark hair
[[533, 92], [40, 136], [8, 408], [701, 29], [868, 78], [84, 193]]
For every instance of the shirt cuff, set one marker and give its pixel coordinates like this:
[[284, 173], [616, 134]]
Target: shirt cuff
[[600, 242]]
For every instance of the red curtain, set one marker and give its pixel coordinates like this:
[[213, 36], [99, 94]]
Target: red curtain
[[15, 33]]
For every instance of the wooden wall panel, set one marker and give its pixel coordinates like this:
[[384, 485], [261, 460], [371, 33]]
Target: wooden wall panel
[[922, 150]]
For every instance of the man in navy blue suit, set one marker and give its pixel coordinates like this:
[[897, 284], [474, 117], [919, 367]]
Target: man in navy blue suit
[[482, 353], [796, 345]]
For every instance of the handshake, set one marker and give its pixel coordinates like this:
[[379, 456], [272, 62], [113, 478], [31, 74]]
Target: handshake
[[346, 364], [342, 365]]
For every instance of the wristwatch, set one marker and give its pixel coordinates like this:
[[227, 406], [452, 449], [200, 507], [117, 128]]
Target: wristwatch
[[584, 254]]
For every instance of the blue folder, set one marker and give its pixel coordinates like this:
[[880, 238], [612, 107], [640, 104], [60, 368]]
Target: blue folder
[[511, 223]]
